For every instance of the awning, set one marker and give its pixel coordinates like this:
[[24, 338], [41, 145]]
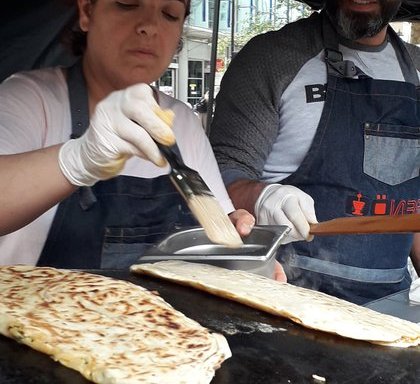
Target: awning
[[410, 9]]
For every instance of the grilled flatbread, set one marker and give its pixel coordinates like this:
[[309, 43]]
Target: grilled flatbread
[[304, 306], [111, 331]]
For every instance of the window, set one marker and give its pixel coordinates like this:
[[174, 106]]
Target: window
[[195, 81]]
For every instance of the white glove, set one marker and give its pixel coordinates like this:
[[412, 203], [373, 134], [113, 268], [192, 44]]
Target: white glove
[[113, 137], [414, 293], [286, 205]]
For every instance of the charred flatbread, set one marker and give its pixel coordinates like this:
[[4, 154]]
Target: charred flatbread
[[312, 309], [111, 331]]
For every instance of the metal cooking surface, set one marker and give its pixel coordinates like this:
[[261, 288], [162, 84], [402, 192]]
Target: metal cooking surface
[[266, 349]]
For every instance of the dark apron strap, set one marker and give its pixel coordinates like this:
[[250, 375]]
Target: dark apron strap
[[79, 101], [406, 62], [79, 109], [336, 66]]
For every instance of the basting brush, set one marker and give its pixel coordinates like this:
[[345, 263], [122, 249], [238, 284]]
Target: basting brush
[[198, 196]]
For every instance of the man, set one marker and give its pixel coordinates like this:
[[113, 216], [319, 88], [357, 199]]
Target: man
[[317, 121]]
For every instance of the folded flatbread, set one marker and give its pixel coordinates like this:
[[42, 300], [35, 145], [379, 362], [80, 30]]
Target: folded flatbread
[[111, 331], [304, 306]]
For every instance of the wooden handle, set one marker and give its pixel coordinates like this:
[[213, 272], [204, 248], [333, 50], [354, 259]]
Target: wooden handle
[[368, 224]]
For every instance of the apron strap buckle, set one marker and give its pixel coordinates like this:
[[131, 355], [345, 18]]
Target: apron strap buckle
[[334, 60]]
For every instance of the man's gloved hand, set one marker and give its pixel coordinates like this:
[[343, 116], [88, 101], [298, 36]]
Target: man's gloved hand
[[286, 205], [113, 137]]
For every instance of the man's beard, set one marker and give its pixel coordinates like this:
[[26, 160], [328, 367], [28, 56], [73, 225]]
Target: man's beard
[[357, 25]]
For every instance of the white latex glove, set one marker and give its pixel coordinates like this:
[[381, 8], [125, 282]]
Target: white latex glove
[[113, 137], [286, 205], [414, 292]]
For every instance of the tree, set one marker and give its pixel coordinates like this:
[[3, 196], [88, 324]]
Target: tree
[[415, 33], [282, 12]]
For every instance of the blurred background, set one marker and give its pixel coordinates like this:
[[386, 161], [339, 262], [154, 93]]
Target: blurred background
[[31, 37]]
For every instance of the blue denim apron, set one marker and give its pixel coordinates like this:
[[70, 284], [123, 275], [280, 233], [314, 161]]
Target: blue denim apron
[[364, 160], [110, 224]]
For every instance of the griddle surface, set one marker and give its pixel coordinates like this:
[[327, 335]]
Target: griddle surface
[[266, 349]]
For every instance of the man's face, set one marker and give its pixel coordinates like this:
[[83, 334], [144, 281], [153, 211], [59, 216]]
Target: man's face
[[356, 19]]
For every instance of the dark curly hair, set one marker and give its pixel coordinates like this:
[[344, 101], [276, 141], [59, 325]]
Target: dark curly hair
[[75, 38]]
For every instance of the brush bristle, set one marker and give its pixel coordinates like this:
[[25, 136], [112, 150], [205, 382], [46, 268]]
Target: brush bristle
[[204, 206], [215, 222]]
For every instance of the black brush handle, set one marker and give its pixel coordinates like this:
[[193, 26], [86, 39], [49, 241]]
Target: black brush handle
[[173, 159], [187, 180]]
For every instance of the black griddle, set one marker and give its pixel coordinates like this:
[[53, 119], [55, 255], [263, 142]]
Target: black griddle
[[266, 349]]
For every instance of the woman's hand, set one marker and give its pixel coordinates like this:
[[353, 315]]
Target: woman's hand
[[124, 124], [279, 274], [243, 221]]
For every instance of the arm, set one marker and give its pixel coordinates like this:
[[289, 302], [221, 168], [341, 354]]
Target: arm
[[415, 253], [245, 127], [31, 184], [246, 120]]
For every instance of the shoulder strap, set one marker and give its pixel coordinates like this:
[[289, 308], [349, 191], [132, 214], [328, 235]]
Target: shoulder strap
[[79, 109], [79, 102], [407, 65]]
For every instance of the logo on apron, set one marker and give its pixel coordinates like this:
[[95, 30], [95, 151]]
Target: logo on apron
[[359, 205]]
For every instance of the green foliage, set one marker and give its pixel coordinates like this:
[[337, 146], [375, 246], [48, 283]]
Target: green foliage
[[260, 22]]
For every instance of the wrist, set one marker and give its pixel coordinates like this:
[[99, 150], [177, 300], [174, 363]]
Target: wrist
[[265, 192], [244, 193], [72, 166]]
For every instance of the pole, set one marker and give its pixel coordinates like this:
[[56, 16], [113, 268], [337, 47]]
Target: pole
[[213, 63], [232, 29]]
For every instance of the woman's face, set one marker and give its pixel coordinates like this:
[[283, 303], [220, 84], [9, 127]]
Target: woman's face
[[130, 41]]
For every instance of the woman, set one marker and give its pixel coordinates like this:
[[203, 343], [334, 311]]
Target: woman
[[99, 224]]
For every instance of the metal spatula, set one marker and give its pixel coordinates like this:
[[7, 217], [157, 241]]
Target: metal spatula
[[368, 224]]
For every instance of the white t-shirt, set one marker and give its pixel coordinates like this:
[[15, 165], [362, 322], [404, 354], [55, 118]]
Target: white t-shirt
[[35, 113]]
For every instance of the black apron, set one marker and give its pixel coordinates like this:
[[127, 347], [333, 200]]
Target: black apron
[[110, 224], [364, 160]]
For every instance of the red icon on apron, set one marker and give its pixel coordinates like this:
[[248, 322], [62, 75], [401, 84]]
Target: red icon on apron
[[358, 205], [380, 205]]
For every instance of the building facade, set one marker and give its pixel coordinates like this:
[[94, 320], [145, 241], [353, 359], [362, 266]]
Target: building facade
[[187, 78]]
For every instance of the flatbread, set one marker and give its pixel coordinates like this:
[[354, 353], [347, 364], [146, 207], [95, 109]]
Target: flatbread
[[111, 331], [304, 306]]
